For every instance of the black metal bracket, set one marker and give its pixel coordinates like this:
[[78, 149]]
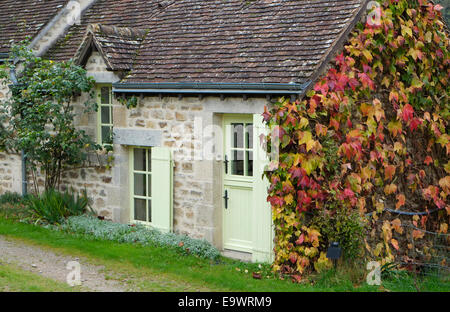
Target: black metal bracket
[[226, 164], [226, 199]]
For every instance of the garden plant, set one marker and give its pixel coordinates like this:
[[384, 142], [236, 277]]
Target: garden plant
[[40, 114]]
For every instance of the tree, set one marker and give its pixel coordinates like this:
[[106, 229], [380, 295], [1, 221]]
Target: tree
[[38, 114]]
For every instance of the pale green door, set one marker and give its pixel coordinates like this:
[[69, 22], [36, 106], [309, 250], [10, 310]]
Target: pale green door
[[238, 183]]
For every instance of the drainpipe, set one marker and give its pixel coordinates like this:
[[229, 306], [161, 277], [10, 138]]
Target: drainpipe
[[23, 156], [24, 174]]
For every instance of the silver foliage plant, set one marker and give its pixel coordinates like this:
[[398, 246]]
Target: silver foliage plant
[[123, 233]]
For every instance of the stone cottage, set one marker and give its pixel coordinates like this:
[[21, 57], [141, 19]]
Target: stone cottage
[[188, 157]]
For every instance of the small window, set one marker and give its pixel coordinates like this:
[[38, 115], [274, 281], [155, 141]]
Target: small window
[[242, 149], [151, 178], [142, 185], [105, 116]]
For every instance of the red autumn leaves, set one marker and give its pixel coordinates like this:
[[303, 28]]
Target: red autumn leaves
[[369, 105]]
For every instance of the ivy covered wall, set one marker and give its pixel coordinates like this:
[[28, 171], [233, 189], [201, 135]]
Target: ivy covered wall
[[371, 138]]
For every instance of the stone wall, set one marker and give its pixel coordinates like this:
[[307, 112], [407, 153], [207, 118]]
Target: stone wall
[[10, 173], [185, 125], [10, 164], [197, 182], [193, 185]]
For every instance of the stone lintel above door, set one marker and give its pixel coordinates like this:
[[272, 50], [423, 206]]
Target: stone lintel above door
[[137, 137]]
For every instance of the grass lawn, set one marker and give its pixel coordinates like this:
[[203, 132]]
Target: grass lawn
[[171, 271], [14, 279]]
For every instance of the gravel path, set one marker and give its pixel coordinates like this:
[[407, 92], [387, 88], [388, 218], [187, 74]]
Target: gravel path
[[52, 265]]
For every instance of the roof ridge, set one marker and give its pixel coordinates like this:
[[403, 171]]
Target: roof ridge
[[129, 32]]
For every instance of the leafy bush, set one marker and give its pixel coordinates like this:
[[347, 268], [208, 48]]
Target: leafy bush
[[342, 226], [122, 233], [38, 115], [53, 206]]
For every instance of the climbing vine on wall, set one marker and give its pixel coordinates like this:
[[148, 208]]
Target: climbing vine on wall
[[371, 137]]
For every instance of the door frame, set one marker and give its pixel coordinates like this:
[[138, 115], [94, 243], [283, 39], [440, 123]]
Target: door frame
[[244, 182], [262, 232]]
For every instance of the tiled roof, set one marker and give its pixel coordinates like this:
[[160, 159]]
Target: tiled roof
[[118, 45], [119, 13], [273, 41], [21, 18], [242, 41]]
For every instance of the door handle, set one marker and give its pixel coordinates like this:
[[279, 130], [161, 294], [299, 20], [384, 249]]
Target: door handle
[[226, 164], [226, 199]]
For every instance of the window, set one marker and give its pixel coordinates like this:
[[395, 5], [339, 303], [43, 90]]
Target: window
[[242, 149], [151, 172], [142, 179], [105, 116]]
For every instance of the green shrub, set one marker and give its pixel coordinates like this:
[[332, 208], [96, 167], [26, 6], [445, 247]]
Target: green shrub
[[123, 233], [347, 274], [53, 206], [342, 226], [10, 198], [14, 206]]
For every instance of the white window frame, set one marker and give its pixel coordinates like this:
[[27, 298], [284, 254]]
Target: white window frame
[[148, 176], [110, 105]]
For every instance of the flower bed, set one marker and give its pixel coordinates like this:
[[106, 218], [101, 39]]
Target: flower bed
[[123, 233]]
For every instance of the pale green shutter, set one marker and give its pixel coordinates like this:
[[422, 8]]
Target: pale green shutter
[[262, 213], [162, 177]]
